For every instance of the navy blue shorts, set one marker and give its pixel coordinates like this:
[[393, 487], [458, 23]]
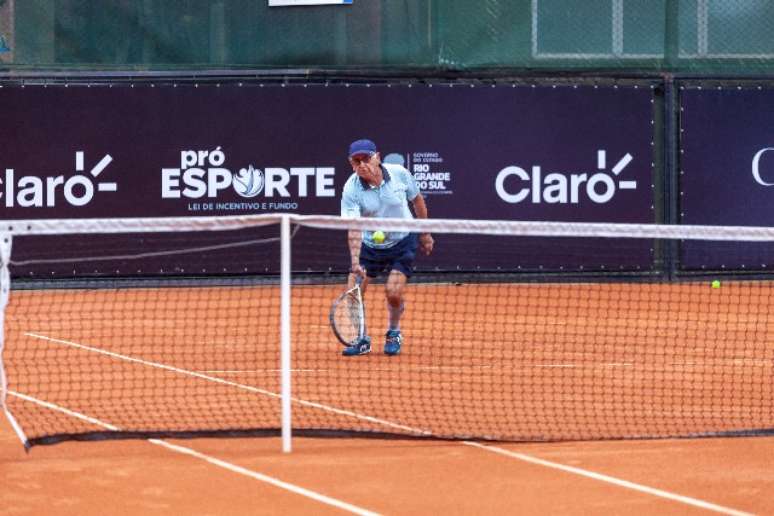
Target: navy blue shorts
[[399, 257]]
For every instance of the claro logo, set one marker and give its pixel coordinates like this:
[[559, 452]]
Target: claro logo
[[37, 192], [756, 167], [514, 184]]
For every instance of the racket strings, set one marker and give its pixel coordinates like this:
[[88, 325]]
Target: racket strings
[[355, 311], [349, 317]]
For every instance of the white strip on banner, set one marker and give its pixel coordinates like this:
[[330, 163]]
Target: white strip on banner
[[280, 3]]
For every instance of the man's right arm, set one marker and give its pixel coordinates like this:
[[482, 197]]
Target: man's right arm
[[350, 208], [355, 237]]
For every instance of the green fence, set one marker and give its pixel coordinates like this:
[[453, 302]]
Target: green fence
[[702, 37]]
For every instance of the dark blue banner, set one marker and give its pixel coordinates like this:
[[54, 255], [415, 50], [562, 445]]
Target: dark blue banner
[[563, 153], [727, 173]]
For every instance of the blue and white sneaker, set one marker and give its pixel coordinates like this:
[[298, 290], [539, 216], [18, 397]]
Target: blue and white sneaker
[[392, 342], [361, 347]]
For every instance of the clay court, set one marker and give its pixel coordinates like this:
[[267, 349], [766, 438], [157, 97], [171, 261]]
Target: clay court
[[581, 365], [183, 184]]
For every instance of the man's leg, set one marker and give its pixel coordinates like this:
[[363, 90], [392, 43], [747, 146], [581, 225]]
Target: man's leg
[[393, 289]]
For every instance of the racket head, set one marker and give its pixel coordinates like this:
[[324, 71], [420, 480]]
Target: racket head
[[347, 315]]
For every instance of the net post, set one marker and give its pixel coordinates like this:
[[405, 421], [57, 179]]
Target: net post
[[5, 288], [285, 380]]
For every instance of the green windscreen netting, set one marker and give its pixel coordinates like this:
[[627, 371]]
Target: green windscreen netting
[[699, 36]]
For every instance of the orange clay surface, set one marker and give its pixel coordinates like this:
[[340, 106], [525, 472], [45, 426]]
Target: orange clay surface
[[568, 362], [389, 477]]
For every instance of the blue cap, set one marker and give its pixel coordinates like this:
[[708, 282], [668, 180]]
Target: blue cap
[[362, 147]]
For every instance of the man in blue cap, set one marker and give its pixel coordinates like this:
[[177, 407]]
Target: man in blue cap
[[383, 190]]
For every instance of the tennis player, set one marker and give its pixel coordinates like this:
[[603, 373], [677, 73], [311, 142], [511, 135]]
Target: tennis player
[[383, 190]]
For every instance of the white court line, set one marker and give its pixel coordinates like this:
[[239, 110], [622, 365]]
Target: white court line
[[72, 413], [520, 456], [260, 371], [212, 460], [463, 369], [448, 369], [221, 381], [581, 366], [610, 480], [451, 369]]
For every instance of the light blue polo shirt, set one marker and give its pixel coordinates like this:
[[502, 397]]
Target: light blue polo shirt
[[388, 200]]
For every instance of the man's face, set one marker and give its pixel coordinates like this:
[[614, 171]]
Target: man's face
[[365, 165]]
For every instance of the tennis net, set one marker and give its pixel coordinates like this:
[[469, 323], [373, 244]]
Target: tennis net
[[512, 331]]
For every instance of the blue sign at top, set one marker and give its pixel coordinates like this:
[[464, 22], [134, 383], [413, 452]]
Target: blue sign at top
[[280, 3]]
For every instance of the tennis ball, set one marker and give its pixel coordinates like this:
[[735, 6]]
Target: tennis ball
[[716, 284], [378, 237]]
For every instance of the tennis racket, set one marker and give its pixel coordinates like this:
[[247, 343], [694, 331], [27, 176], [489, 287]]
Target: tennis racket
[[348, 315]]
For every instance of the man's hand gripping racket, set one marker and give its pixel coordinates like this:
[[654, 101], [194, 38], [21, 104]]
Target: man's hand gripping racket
[[348, 315]]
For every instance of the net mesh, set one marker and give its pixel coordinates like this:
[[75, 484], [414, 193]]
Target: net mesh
[[486, 354], [143, 359]]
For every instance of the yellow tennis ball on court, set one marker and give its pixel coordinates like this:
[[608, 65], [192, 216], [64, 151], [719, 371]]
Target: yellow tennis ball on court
[[716, 284], [378, 237]]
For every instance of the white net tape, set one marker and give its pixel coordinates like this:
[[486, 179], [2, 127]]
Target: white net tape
[[483, 227]]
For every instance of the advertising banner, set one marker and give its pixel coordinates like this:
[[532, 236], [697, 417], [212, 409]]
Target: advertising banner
[[516, 152], [727, 173]]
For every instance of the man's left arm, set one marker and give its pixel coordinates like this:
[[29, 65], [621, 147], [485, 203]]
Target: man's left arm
[[420, 209]]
